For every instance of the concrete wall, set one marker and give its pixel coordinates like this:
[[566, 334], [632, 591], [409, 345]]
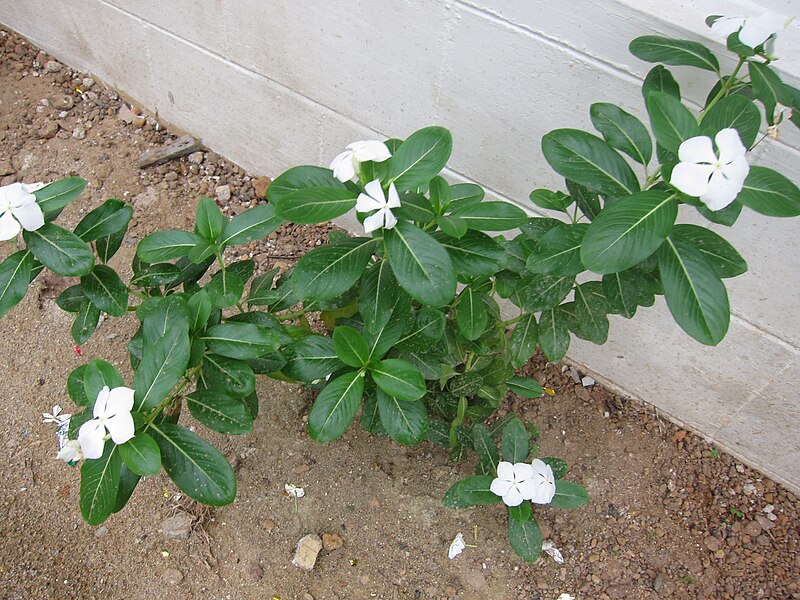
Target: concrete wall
[[272, 84]]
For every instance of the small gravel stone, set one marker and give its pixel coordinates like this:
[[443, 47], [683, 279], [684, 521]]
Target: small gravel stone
[[331, 541], [52, 66], [223, 193], [305, 554], [711, 543], [48, 130], [178, 526], [172, 576]]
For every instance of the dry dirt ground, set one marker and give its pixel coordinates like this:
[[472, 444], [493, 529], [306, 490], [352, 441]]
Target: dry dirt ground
[[670, 516]]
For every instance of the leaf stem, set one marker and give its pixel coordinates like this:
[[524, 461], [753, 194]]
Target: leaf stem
[[729, 83], [187, 378]]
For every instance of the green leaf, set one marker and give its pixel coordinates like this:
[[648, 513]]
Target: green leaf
[[209, 220], [162, 316], [588, 202], [399, 379], [99, 374], [472, 491], [723, 257], [735, 111], [653, 48], [108, 218], [486, 449], [15, 275], [163, 364], [695, 295], [520, 513], [421, 265], [350, 346], [225, 289], [196, 467], [220, 411], [261, 291], [414, 207], [60, 250], [629, 231], [769, 193], [542, 292], [405, 422], [70, 300], [300, 178], [526, 387], [85, 322], [329, 271], [491, 216], [251, 225], [622, 292], [59, 193], [105, 290], [623, 131], [335, 407], [315, 205], [427, 330], [559, 466], [419, 158], [166, 245], [242, 341], [672, 122], [768, 87], [553, 334], [311, 358], [141, 455], [156, 275], [525, 538], [464, 194], [471, 314], [558, 251], [128, 481], [378, 295], [107, 247], [590, 321], [474, 255], [659, 79], [453, 226], [524, 338], [569, 495], [726, 216], [202, 251], [99, 485], [550, 200], [234, 377], [588, 160], [76, 388], [515, 442]]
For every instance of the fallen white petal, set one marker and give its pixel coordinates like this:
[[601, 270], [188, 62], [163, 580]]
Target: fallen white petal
[[550, 549], [456, 546], [294, 491]]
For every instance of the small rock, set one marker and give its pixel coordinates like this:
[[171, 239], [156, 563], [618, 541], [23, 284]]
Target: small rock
[[127, 114], [87, 83], [139, 121], [52, 66], [6, 168], [331, 541], [178, 526], [196, 158], [753, 529], [223, 193], [172, 576], [711, 543], [268, 525], [181, 147], [63, 102], [101, 531], [79, 133], [48, 130], [305, 554], [260, 186]]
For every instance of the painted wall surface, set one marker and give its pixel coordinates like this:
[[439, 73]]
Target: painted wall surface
[[273, 84]]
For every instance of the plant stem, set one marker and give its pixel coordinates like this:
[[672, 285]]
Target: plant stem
[[187, 378], [462, 411], [513, 321], [723, 91]]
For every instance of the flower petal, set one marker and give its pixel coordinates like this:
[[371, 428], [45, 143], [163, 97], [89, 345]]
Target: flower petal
[[29, 215], [32, 187], [527, 488], [730, 145], [737, 170], [690, 178], [756, 30], [390, 219], [343, 168], [120, 427], [120, 400], [374, 189], [70, 452], [375, 221], [540, 467], [505, 470], [90, 437], [697, 150], [721, 192], [9, 227], [522, 471], [394, 199], [724, 26], [371, 150], [500, 487], [101, 404], [513, 497], [366, 203], [544, 493], [456, 546]]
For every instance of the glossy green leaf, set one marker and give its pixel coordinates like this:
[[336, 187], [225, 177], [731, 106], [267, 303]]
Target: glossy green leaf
[[419, 158], [471, 314], [427, 329], [768, 87], [58, 194], [261, 291], [241, 341], [472, 491], [141, 455], [99, 485], [253, 224], [653, 48], [735, 111], [770, 193], [301, 178], [15, 275], [550, 200], [329, 271], [350, 346], [622, 292], [588, 160], [420, 264], [234, 377], [196, 467], [455, 227], [225, 289], [524, 338], [475, 254], [209, 220], [107, 246], [671, 121], [398, 378], [629, 231], [515, 442], [85, 322], [723, 257], [623, 131], [108, 218], [553, 335], [311, 358], [104, 288], [220, 411], [659, 79], [315, 205], [166, 245], [156, 275], [536, 293], [695, 295], [60, 250], [404, 422], [70, 300], [526, 387], [464, 194], [378, 295], [128, 480], [336, 407], [97, 375], [163, 364], [589, 320], [491, 216], [558, 465], [558, 251], [525, 538], [76, 388], [162, 315], [569, 495], [486, 449], [370, 417]]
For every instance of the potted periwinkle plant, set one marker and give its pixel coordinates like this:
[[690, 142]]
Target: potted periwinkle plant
[[431, 310]]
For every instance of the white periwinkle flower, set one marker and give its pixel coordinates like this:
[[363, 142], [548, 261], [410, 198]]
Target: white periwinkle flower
[[753, 31], [56, 417], [18, 209], [543, 482], [346, 164], [456, 546], [294, 491], [716, 180], [112, 412], [376, 200], [71, 452], [513, 482]]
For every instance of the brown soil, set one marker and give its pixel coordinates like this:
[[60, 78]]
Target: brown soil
[[670, 516]]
